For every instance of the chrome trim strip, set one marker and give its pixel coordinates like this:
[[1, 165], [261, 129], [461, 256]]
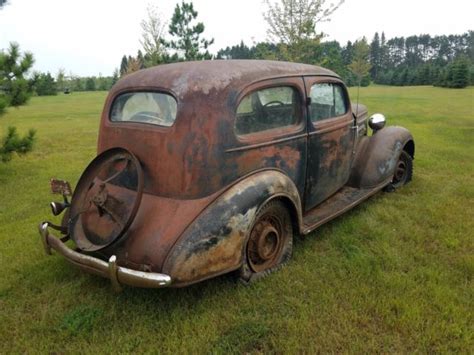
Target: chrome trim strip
[[264, 144]]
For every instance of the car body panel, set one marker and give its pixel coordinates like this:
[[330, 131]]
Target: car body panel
[[330, 149], [213, 244]]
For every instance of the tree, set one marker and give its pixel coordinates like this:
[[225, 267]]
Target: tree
[[456, 74], [61, 79], [115, 77], [14, 91], [293, 24], [360, 65], [375, 56], [90, 84], [44, 84], [13, 84], [123, 65], [13, 143], [153, 30], [134, 65], [186, 36]]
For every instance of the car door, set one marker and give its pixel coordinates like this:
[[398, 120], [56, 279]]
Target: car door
[[330, 139]]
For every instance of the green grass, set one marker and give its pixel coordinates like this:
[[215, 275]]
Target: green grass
[[393, 275]]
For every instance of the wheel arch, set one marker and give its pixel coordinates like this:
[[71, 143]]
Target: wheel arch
[[377, 155], [410, 148], [214, 243]]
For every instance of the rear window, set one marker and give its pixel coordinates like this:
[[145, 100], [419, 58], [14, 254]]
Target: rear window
[[146, 107]]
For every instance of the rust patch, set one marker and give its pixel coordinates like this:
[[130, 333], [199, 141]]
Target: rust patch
[[214, 254]]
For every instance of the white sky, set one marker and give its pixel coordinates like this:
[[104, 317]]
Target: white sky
[[89, 37]]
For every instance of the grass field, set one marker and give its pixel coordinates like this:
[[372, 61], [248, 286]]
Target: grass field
[[393, 275]]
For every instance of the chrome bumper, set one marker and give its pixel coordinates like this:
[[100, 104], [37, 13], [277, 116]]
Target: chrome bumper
[[118, 275]]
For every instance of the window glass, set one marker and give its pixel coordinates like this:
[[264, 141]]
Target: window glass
[[268, 109], [327, 100], [147, 107]]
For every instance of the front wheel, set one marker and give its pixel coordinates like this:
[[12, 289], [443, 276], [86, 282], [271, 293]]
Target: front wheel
[[403, 172], [269, 243]]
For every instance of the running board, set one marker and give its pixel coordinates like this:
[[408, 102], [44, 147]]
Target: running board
[[343, 200]]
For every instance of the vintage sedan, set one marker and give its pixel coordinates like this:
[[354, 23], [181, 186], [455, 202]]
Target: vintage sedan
[[209, 167]]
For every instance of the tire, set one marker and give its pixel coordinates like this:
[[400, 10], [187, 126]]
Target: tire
[[403, 172], [269, 243]]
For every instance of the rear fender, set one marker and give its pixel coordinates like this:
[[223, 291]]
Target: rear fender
[[214, 243], [378, 154]]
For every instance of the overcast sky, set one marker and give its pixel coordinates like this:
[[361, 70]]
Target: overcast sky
[[89, 37]]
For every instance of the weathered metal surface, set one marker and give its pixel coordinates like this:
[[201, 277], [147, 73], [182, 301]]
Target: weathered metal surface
[[330, 145], [342, 201], [60, 187], [377, 156], [106, 199], [203, 184], [188, 160], [117, 274], [214, 243]]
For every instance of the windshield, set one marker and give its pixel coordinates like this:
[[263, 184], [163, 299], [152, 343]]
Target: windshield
[[146, 107]]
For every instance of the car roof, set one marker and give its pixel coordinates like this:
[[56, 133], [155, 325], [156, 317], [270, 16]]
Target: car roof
[[207, 76]]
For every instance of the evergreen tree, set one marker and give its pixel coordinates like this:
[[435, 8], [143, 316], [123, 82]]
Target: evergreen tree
[[14, 91], [140, 59], [375, 57], [123, 65], [13, 68], [347, 53], [90, 84], [459, 73], [186, 36], [12, 142], [115, 77], [44, 84]]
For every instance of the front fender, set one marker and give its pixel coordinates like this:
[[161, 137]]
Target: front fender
[[213, 244], [377, 156]]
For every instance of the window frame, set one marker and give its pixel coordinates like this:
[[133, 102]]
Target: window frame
[[278, 132], [153, 90], [345, 98]]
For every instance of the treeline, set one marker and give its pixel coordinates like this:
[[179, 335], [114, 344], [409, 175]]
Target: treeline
[[416, 60], [43, 84]]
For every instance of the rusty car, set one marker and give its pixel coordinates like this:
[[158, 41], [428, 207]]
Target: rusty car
[[211, 167]]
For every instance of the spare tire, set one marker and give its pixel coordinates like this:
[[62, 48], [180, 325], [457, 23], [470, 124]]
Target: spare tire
[[106, 200]]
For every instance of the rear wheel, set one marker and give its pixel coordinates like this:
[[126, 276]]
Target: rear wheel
[[403, 172], [270, 241]]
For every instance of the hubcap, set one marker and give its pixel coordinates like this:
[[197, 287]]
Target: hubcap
[[400, 171], [265, 243]]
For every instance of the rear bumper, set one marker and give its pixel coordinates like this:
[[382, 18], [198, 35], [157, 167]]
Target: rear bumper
[[118, 275]]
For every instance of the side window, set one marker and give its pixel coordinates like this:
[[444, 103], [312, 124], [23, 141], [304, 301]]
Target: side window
[[267, 109], [327, 100]]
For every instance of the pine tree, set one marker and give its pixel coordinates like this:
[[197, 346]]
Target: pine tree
[[375, 57], [123, 65], [459, 73], [14, 91], [186, 36], [44, 84], [90, 84], [115, 76]]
